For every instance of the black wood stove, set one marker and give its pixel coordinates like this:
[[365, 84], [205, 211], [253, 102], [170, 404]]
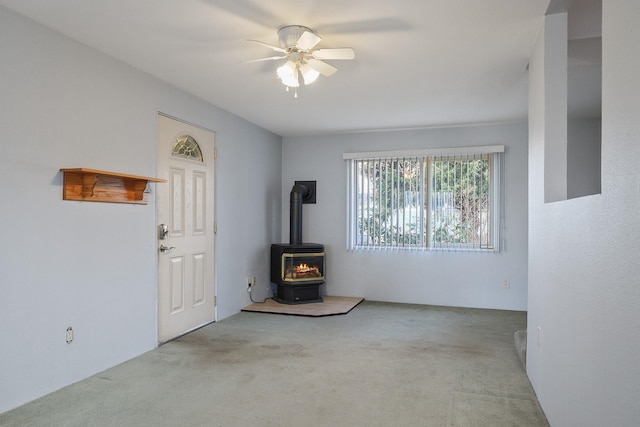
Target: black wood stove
[[297, 269]]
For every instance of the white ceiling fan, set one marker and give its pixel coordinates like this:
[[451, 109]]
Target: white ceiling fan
[[297, 45]]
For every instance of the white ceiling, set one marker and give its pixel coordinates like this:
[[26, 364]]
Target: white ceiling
[[418, 62]]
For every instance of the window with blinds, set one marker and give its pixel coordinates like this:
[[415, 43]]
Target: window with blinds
[[425, 199]]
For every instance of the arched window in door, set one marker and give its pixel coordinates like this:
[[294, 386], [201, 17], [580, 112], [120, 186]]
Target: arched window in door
[[187, 148]]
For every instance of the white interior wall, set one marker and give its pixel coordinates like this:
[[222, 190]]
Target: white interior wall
[[440, 278], [583, 157], [93, 265], [583, 269], [555, 112]]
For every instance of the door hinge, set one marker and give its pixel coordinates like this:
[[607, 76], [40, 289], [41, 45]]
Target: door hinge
[[215, 153], [215, 301], [215, 227]]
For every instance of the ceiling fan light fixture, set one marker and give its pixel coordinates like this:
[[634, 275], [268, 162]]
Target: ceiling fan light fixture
[[308, 74], [288, 74], [298, 46]]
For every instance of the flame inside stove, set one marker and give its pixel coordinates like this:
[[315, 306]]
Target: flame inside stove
[[303, 270]]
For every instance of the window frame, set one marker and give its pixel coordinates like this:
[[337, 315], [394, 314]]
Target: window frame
[[495, 193]]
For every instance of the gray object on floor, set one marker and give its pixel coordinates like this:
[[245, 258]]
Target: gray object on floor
[[520, 338], [382, 364]]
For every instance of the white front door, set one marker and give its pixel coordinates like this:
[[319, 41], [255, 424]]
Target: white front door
[[186, 277]]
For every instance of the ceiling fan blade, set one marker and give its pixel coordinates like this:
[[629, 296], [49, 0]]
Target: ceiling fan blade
[[276, 48], [335, 53], [322, 67], [307, 41], [271, 58]]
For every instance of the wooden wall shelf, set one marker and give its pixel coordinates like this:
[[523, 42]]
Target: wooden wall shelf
[[91, 185]]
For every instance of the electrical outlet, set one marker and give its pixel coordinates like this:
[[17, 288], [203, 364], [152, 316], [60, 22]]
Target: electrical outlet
[[69, 335], [506, 283], [249, 283]]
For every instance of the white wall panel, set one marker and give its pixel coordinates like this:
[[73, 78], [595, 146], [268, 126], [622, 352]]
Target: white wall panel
[[92, 266], [452, 279], [583, 269]]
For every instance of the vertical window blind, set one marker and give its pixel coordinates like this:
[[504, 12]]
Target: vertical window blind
[[425, 199]]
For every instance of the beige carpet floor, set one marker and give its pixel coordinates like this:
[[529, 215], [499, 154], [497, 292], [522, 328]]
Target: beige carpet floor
[[329, 307], [380, 365]]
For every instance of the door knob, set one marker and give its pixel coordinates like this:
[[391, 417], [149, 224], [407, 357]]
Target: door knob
[[164, 248]]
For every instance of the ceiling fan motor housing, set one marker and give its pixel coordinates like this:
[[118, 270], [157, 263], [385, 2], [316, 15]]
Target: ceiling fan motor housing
[[288, 36]]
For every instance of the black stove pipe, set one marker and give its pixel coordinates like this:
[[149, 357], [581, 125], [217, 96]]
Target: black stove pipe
[[298, 192]]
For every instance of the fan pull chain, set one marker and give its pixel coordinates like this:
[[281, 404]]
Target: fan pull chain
[[295, 91]]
